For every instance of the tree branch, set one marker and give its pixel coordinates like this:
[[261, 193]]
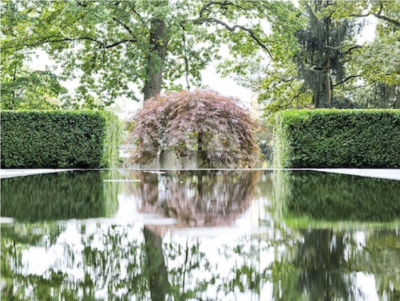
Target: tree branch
[[392, 21], [379, 16], [128, 29], [103, 45], [122, 23], [352, 48], [231, 29], [222, 4], [343, 46], [346, 79], [362, 86], [120, 42]]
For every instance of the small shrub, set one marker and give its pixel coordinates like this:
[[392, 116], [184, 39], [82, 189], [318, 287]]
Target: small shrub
[[205, 121], [337, 138], [59, 139]]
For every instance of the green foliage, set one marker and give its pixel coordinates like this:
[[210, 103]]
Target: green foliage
[[59, 139], [376, 60], [337, 138], [321, 59], [23, 88], [117, 46], [316, 50]]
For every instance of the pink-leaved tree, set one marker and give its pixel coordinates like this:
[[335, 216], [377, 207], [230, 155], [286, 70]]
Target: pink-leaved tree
[[201, 120]]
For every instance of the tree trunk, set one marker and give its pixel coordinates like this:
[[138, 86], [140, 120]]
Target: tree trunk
[[328, 64], [397, 103], [328, 80], [202, 160], [156, 59]]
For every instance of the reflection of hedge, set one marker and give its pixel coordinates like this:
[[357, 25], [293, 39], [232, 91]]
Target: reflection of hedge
[[339, 197], [337, 138], [59, 139], [57, 196]]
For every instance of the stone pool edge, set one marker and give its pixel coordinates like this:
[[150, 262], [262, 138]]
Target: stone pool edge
[[11, 173], [389, 174]]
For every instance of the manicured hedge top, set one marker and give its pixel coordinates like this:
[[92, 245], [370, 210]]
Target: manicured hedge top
[[337, 138], [59, 139]]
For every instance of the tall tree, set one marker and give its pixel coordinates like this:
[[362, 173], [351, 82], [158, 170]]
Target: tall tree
[[359, 75], [321, 60], [377, 61], [116, 45]]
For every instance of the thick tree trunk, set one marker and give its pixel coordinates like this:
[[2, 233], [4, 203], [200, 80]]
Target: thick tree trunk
[[156, 59]]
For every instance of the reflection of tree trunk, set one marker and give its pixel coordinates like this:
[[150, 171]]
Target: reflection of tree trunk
[[157, 271], [320, 256], [200, 184]]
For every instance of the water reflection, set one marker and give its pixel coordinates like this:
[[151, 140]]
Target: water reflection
[[336, 197], [206, 198], [58, 196], [109, 260]]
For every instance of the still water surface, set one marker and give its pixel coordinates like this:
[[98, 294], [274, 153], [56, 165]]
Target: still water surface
[[200, 235]]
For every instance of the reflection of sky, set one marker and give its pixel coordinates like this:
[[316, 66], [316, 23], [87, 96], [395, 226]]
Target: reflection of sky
[[258, 238], [40, 260], [213, 242]]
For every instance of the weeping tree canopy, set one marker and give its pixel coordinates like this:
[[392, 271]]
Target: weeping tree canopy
[[201, 120], [322, 58]]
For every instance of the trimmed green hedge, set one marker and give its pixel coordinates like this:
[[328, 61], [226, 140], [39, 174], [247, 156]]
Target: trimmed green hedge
[[337, 138], [59, 139]]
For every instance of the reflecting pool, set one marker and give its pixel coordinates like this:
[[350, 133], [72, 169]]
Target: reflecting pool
[[199, 235]]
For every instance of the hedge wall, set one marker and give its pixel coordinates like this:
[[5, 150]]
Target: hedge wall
[[59, 139], [337, 138]]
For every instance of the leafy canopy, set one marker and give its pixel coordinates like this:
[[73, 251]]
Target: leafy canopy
[[113, 48]]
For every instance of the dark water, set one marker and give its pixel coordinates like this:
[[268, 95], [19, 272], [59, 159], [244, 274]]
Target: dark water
[[200, 235]]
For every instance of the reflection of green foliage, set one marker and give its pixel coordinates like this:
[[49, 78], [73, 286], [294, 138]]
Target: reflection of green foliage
[[134, 268], [322, 262], [110, 261], [58, 196], [335, 197]]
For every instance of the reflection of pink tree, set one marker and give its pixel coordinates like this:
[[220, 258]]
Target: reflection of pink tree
[[202, 198]]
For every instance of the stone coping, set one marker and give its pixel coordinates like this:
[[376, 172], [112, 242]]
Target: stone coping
[[390, 174]]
